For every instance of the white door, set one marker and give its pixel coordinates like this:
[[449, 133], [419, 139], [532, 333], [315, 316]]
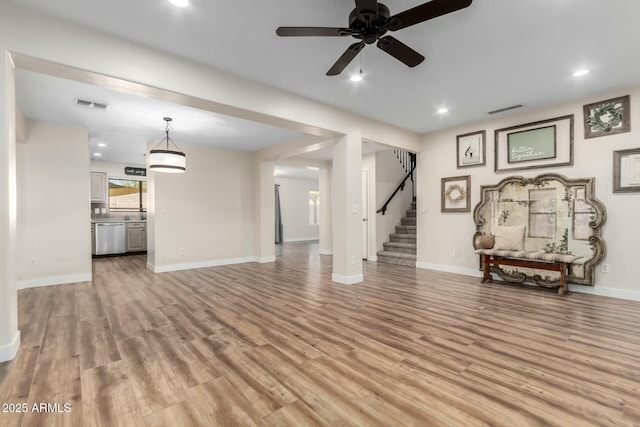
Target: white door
[[365, 214]]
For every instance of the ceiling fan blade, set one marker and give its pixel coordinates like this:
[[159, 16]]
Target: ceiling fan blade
[[342, 62], [312, 32], [424, 12], [400, 51]]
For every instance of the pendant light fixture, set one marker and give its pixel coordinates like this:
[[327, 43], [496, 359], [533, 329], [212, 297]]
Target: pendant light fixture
[[166, 160]]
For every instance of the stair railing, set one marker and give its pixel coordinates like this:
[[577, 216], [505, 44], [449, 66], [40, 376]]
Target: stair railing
[[408, 163]]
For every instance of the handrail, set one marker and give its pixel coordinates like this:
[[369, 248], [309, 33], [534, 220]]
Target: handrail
[[400, 187]]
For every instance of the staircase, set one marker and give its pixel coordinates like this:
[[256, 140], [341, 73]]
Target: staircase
[[401, 247]]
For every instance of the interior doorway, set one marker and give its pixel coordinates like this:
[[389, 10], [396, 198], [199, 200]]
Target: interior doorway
[[365, 214]]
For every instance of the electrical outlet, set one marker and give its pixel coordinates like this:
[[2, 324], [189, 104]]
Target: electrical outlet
[[605, 268], [181, 251], [456, 253], [353, 260]]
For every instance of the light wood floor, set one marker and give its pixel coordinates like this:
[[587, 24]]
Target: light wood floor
[[280, 344]]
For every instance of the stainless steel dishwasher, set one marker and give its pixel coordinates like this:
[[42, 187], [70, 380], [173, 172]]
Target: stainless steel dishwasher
[[110, 238]]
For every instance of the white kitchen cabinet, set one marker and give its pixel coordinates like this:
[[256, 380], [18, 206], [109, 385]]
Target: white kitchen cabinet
[[136, 236], [99, 187]]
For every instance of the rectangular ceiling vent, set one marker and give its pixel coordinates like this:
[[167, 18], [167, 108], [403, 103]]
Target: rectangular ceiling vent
[[502, 110], [83, 103]]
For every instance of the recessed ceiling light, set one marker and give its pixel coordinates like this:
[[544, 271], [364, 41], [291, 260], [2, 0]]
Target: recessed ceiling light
[[180, 3], [97, 154], [443, 110], [102, 144], [581, 73]]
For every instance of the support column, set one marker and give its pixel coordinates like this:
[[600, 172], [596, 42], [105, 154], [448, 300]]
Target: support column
[[265, 211], [324, 215], [347, 210], [9, 334]]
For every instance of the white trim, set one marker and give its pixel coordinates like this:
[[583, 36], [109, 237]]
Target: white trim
[[347, 280], [266, 259], [373, 258], [302, 239], [582, 289], [55, 280], [200, 264], [605, 292], [9, 351], [325, 251], [449, 269]]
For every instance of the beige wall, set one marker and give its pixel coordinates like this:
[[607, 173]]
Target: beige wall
[[54, 228], [294, 205], [439, 234], [204, 216]]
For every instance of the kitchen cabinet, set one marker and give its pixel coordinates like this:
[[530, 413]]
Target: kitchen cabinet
[[98, 187], [136, 236]]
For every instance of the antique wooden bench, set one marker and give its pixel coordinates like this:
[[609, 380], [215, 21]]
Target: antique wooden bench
[[537, 260]]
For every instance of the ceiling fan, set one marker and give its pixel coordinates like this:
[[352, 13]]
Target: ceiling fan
[[370, 21]]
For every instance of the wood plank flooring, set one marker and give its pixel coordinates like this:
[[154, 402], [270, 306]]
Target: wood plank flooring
[[281, 345]]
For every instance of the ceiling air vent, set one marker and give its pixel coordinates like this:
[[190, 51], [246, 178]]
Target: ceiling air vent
[[83, 103], [502, 110]]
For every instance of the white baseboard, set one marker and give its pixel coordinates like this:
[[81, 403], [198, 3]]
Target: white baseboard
[[266, 259], [325, 251], [302, 239], [200, 264], [605, 292], [373, 258], [9, 351], [347, 280], [54, 280], [582, 289]]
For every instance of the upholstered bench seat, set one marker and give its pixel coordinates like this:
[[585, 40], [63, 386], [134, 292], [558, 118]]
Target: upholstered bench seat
[[530, 259], [529, 255]]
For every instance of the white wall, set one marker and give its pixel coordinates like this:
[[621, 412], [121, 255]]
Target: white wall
[[116, 170], [54, 228], [205, 216], [442, 233], [389, 173], [9, 334], [294, 205]]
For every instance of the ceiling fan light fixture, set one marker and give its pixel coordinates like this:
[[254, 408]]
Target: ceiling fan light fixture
[[166, 160], [581, 73], [180, 3], [357, 77], [443, 110]]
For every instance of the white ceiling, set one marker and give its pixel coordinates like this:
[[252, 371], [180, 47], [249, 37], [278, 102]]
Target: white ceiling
[[130, 122], [493, 54]]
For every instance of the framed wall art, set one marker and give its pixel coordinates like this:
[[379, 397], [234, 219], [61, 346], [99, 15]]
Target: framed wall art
[[470, 149], [626, 170], [607, 117], [542, 144], [456, 194]]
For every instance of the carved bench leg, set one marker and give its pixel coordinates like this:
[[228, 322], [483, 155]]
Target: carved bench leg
[[563, 279], [486, 275]]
